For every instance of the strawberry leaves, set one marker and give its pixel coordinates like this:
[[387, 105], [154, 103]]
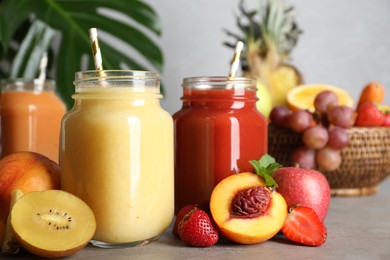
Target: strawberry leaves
[[265, 167]]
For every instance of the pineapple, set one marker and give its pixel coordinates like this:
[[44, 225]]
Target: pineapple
[[269, 42]]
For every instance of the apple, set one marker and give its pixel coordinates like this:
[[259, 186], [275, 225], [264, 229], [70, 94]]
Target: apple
[[264, 104], [26, 171], [307, 187]]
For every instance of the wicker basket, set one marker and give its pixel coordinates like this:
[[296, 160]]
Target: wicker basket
[[365, 162]]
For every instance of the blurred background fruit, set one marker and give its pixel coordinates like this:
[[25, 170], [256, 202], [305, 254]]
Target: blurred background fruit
[[349, 146], [372, 92], [322, 128], [302, 97], [270, 34], [264, 104]]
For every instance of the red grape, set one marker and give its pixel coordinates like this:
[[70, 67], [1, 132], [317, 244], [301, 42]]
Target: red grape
[[328, 159], [300, 120], [338, 137], [316, 137], [304, 157], [279, 116], [324, 100], [343, 116]]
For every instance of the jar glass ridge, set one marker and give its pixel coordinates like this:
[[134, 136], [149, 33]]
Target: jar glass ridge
[[223, 82], [131, 80], [20, 84]]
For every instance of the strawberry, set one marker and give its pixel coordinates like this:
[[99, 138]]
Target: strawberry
[[303, 226], [180, 215], [196, 229], [369, 115], [386, 121]]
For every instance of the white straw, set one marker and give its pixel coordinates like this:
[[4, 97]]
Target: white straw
[[42, 67], [40, 81], [236, 59], [97, 56]]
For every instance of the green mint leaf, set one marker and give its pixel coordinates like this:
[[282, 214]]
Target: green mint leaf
[[266, 160], [264, 167]]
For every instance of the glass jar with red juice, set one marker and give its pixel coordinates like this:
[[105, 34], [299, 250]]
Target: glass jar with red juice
[[217, 132]]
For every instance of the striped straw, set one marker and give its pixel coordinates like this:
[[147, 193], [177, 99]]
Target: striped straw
[[97, 55], [236, 59]]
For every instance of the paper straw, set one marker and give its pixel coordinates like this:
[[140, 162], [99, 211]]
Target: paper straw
[[236, 59], [42, 67], [40, 81], [97, 55]]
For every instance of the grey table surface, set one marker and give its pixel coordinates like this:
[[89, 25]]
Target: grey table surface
[[358, 228]]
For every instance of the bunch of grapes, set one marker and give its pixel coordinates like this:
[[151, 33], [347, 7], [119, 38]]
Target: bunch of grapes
[[323, 132]]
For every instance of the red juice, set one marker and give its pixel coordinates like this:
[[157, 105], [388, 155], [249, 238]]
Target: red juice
[[217, 132]]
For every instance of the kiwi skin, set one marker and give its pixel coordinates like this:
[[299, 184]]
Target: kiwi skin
[[54, 252], [45, 253], [10, 245]]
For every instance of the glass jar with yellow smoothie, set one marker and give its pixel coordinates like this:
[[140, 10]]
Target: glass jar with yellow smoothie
[[116, 153]]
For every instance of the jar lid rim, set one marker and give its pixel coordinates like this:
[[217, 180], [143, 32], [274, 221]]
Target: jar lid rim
[[25, 81], [220, 82], [117, 74], [25, 84]]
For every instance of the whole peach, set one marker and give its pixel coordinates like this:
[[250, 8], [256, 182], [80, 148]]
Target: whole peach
[[306, 187], [27, 171]]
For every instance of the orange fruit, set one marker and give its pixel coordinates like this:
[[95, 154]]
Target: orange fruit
[[302, 97], [372, 92]]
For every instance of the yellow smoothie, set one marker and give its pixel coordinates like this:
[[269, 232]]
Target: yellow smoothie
[[117, 155]]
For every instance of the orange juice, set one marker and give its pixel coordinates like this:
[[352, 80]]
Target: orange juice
[[30, 118], [117, 155]]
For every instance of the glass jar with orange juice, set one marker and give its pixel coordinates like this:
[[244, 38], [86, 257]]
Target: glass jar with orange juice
[[217, 131], [31, 115]]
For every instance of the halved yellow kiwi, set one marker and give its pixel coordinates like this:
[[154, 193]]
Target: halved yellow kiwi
[[10, 245], [52, 223]]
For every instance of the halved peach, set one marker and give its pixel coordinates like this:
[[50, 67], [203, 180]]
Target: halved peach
[[246, 211]]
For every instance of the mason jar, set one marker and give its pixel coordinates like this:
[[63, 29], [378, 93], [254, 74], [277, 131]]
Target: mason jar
[[31, 115], [116, 154], [217, 132]]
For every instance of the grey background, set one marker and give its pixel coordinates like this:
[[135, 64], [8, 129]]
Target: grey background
[[344, 43]]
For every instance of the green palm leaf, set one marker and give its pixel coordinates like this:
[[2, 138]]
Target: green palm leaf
[[71, 19]]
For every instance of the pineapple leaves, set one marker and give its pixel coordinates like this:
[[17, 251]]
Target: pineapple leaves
[[121, 23], [274, 28]]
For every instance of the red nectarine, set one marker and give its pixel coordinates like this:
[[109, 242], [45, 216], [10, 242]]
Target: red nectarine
[[27, 171]]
